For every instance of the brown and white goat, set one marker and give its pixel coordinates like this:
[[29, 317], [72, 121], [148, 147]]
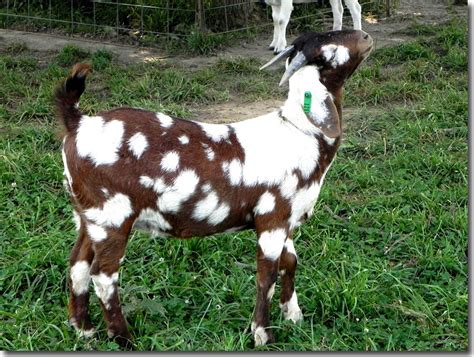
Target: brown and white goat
[[131, 168]]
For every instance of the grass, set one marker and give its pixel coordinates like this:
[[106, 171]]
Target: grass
[[383, 262]]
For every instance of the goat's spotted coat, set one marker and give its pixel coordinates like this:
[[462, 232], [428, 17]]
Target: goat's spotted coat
[[131, 168]]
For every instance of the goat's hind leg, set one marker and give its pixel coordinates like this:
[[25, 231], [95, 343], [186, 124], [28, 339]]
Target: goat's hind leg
[[287, 269], [356, 13], [109, 250], [79, 279]]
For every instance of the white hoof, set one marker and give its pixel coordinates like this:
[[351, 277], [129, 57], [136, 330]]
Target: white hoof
[[81, 332], [291, 310], [294, 315], [260, 336], [86, 333]]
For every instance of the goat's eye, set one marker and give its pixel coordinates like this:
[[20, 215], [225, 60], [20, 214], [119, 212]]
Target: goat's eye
[[320, 60]]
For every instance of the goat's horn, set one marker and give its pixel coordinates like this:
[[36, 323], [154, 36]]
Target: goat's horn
[[282, 55], [297, 62]]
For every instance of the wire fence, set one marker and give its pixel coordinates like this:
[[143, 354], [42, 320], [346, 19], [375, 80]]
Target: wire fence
[[138, 19]]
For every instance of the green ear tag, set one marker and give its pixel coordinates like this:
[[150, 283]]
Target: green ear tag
[[307, 102]]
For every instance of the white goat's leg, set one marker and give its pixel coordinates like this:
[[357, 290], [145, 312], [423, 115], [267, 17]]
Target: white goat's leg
[[337, 12], [276, 26], [284, 17], [287, 269], [355, 9]]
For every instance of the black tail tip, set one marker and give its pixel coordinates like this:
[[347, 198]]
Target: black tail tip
[[68, 93], [73, 86]]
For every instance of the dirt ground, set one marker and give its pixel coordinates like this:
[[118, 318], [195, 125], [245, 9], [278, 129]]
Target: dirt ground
[[385, 32]]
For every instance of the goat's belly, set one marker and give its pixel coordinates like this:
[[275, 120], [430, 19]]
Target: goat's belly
[[157, 225]]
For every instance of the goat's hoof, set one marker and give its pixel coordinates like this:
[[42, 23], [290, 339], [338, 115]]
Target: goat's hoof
[[271, 48], [83, 328], [86, 333], [262, 336], [124, 338], [294, 315]]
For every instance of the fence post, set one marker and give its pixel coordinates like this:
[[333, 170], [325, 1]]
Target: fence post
[[200, 16], [387, 8]]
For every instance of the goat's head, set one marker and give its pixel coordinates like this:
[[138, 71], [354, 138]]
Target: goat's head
[[336, 54]]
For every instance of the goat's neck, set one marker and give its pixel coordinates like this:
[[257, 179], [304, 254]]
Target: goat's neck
[[334, 85]]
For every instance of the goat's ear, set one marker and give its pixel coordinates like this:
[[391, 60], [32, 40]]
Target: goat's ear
[[309, 44], [330, 125], [311, 52], [315, 101]]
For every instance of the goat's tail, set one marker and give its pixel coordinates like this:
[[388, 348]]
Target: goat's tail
[[68, 93]]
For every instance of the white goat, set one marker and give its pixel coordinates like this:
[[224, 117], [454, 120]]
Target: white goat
[[281, 12]]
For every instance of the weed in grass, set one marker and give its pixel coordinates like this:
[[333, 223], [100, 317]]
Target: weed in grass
[[101, 59], [205, 44], [403, 53], [23, 63], [238, 66], [71, 54], [418, 29]]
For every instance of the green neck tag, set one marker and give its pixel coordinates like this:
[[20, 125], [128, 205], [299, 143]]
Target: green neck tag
[[307, 102]]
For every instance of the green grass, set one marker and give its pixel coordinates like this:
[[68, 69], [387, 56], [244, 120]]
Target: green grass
[[382, 263]]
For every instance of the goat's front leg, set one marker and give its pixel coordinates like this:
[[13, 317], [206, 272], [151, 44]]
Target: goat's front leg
[[270, 245], [109, 251], [287, 269], [276, 26], [355, 9], [282, 20], [337, 12], [79, 280]]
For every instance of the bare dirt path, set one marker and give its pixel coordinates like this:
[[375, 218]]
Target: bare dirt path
[[385, 32]]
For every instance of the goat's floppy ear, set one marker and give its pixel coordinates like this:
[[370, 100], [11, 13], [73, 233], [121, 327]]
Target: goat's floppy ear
[[330, 125]]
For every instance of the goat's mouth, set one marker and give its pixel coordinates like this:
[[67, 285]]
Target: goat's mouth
[[367, 51], [369, 46]]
